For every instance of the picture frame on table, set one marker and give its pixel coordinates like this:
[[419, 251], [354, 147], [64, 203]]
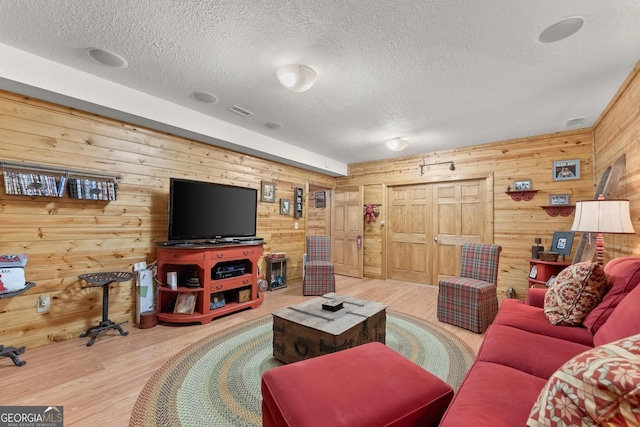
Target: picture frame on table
[[558, 199], [524, 184], [562, 242], [564, 170], [268, 192], [285, 206], [185, 303], [533, 273], [550, 281]]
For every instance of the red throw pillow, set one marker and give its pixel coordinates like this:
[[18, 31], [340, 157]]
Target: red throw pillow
[[577, 290], [623, 322], [623, 274], [598, 387]]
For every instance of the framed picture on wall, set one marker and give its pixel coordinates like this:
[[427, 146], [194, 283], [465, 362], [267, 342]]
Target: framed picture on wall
[[566, 169], [268, 192], [321, 199], [285, 206]]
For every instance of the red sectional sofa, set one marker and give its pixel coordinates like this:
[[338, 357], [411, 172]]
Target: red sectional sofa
[[522, 350]]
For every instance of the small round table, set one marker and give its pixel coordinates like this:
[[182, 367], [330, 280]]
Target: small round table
[[104, 280]]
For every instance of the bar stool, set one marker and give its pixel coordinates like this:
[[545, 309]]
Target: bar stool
[[104, 280]]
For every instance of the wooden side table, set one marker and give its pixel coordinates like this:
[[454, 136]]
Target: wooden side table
[[544, 270], [13, 352], [276, 273]]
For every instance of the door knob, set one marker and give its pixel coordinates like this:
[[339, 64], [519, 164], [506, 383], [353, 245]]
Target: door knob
[[435, 239]]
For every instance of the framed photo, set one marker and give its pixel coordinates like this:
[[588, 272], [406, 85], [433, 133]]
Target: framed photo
[[562, 242], [522, 185], [268, 192], [285, 206], [566, 169], [558, 199], [185, 303], [534, 271], [550, 281], [321, 199]]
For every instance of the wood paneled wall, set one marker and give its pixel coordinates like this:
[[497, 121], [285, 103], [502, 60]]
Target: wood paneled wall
[[617, 131], [65, 237], [516, 224]]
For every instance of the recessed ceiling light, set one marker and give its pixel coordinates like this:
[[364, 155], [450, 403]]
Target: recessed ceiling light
[[273, 125], [561, 30], [107, 58], [206, 97]]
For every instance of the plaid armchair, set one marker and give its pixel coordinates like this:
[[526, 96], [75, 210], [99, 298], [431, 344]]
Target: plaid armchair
[[471, 301], [318, 269]]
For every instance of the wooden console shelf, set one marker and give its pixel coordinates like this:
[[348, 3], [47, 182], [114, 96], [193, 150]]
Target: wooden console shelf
[[228, 271]]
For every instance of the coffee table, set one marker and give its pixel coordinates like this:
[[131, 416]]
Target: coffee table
[[306, 330]]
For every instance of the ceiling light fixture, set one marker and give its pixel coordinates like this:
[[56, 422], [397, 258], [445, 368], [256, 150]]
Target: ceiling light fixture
[[396, 144], [561, 30], [296, 77]]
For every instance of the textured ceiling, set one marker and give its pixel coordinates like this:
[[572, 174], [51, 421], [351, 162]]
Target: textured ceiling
[[441, 74]]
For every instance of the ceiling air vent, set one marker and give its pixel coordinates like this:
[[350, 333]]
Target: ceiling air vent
[[578, 121], [240, 111]]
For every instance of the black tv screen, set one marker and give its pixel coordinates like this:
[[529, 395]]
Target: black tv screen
[[205, 210]]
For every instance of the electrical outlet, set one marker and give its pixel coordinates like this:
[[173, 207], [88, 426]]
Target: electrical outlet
[[295, 225], [139, 266], [43, 304]]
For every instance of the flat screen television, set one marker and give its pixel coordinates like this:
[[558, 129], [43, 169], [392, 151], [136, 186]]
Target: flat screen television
[[209, 211]]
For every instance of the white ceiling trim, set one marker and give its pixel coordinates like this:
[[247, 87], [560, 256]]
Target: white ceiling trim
[[23, 73]]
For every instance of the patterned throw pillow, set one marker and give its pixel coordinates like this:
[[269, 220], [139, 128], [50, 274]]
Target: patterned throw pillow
[[600, 387], [575, 292]]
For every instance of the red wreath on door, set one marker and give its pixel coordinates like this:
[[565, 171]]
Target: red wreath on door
[[369, 213]]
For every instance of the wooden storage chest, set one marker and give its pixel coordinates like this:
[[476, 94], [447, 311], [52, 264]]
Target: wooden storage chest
[[305, 330]]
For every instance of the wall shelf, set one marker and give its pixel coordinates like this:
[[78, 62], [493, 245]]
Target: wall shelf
[[525, 195], [559, 210], [27, 179], [298, 201]]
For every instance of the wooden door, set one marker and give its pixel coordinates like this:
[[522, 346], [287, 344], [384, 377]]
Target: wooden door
[[428, 223], [347, 223], [459, 215], [409, 225]]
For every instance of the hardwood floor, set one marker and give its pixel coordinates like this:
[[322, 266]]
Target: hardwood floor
[[99, 385]]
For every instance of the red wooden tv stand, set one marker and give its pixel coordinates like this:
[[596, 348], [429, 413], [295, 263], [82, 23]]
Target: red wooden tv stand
[[223, 271]]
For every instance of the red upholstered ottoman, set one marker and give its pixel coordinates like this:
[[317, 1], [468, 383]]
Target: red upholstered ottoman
[[365, 386]]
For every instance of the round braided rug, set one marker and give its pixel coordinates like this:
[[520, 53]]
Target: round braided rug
[[216, 381]]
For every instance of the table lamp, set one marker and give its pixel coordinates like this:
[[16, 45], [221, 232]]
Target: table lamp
[[602, 216]]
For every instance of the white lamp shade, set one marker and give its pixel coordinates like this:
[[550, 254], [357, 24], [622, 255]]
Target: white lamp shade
[[603, 216], [296, 77], [397, 144]]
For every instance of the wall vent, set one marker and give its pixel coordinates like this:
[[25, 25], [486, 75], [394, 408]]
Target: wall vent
[[240, 111], [578, 121]]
